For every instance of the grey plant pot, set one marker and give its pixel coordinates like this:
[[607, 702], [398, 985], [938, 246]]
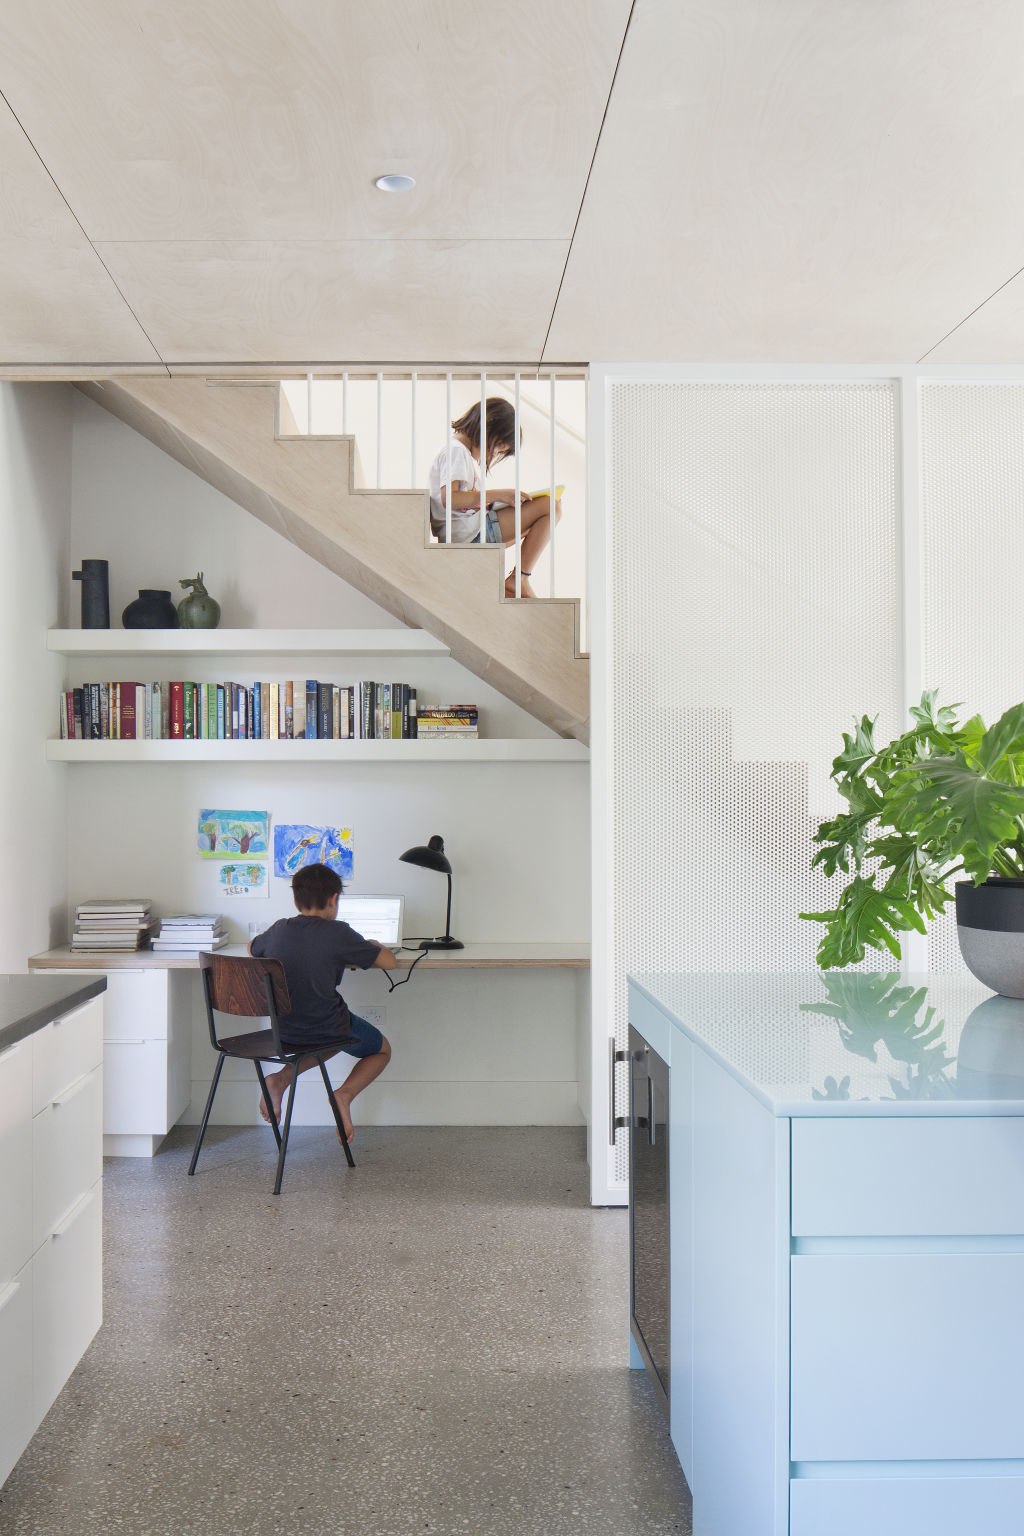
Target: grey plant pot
[[990, 928]]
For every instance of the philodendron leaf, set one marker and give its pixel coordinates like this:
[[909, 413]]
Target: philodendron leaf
[[925, 713], [858, 749], [1002, 740], [864, 916], [971, 815]]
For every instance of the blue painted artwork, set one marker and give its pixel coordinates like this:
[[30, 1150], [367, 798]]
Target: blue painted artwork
[[232, 834], [296, 845]]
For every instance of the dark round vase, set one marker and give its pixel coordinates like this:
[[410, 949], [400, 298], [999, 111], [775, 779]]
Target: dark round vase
[[990, 929], [152, 609]]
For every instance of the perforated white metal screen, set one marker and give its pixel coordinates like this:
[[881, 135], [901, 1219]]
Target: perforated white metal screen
[[972, 486], [753, 612]]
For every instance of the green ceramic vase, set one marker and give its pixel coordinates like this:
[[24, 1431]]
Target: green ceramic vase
[[198, 610]]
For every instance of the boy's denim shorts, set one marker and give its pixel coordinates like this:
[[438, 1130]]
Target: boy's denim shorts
[[365, 1039]]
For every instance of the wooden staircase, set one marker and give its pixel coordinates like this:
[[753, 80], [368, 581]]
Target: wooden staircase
[[304, 488]]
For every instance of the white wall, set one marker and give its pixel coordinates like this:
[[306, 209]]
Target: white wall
[[35, 494], [495, 1046]]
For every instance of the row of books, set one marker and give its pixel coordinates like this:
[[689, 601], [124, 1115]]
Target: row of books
[[112, 926], [191, 711]]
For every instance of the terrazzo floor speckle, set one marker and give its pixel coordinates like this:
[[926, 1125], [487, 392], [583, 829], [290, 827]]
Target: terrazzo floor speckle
[[430, 1344]]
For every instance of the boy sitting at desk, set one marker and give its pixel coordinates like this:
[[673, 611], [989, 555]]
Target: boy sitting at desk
[[315, 949]]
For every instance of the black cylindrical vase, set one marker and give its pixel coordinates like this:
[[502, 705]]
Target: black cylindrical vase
[[95, 579], [990, 929], [152, 609]]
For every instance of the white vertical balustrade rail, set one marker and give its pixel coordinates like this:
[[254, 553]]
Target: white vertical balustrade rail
[[309, 404], [344, 403], [483, 456], [380, 430], [448, 458], [519, 502], [552, 418], [412, 443]]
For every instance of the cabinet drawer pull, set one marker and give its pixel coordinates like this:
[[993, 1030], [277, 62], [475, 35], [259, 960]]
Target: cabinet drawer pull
[[72, 1092], [124, 1042], [70, 1217], [8, 1292], [66, 1018]]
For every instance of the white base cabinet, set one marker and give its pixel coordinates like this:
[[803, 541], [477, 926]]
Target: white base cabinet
[[51, 1209]]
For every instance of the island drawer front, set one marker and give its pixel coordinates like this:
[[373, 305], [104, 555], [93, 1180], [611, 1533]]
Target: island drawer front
[[67, 1273], [67, 1151], [135, 1088], [15, 1159], [907, 1506], [907, 1356], [65, 1050], [135, 1005], [17, 1423], [908, 1176]]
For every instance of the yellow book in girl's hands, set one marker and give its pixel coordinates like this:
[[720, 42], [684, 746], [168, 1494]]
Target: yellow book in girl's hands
[[547, 492]]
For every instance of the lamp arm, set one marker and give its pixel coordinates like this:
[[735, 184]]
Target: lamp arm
[[448, 913]]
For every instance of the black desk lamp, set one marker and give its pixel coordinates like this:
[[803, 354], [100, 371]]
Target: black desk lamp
[[433, 857]]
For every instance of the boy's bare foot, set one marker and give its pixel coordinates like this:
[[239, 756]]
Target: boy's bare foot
[[346, 1117]]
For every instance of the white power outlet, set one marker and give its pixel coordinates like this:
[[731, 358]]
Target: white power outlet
[[373, 1014]]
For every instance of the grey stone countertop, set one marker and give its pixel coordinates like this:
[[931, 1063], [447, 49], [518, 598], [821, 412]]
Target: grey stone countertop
[[29, 1002], [837, 1043]]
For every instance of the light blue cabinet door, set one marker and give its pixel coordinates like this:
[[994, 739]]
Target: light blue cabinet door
[[908, 1506], [907, 1357]]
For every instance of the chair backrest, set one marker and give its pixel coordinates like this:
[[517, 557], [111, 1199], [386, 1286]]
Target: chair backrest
[[246, 986]]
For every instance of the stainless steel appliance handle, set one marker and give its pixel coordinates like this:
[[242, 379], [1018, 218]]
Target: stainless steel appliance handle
[[615, 1122], [650, 1110]]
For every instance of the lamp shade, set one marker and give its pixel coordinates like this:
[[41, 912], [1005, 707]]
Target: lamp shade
[[432, 856]]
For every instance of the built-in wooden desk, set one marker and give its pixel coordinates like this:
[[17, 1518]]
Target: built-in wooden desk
[[473, 957], [150, 1007]]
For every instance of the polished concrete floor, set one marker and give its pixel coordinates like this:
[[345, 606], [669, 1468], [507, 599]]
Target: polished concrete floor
[[433, 1342]]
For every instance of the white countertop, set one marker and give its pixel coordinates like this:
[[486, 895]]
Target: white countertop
[[855, 1043]]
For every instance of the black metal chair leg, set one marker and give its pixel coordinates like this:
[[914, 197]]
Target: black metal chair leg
[[206, 1115], [287, 1127], [268, 1102], [337, 1112]]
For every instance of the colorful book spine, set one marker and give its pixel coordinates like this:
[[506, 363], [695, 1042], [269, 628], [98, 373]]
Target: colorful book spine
[[143, 717], [157, 711], [177, 698], [311, 708], [127, 721], [188, 691], [289, 711], [79, 694], [273, 699], [324, 711], [104, 711]]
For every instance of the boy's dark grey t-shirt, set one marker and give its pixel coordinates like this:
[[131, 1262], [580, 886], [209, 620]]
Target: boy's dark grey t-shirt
[[314, 952]]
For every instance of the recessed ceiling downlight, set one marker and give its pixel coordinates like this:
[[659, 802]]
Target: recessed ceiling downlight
[[394, 182]]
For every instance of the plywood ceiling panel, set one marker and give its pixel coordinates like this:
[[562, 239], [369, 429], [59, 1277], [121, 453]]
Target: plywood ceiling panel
[[56, 299], [793, 181], [288, 301], [269, 119]]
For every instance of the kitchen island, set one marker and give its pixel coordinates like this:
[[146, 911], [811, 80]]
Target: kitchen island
[[51, 1165], [846, 1280]]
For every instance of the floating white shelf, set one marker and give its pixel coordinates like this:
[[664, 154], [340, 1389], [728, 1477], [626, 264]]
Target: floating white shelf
[[244, 642], [550, 749]]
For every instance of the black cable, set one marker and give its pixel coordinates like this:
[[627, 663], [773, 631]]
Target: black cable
[[393, 984]]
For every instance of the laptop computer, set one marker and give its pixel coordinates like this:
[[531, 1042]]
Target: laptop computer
[[376, 917]]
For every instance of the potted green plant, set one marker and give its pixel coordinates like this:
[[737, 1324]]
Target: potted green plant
[[941, 799]]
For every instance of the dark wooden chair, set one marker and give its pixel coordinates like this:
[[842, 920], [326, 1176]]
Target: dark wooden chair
[[244, 986]]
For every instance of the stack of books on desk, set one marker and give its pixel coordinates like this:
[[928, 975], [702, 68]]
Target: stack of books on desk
[[112, 925], [188, 934]]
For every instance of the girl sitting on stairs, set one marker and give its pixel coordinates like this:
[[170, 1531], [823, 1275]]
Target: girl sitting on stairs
[[464, 474]]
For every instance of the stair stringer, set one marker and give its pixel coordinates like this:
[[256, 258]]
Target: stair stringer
[[304, 488]]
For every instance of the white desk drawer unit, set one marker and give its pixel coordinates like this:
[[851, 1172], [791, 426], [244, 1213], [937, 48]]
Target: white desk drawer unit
[[51, 1096], [147, 1015]]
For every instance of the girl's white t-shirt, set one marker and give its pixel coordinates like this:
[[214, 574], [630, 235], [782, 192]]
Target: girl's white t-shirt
[[465, 476]]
